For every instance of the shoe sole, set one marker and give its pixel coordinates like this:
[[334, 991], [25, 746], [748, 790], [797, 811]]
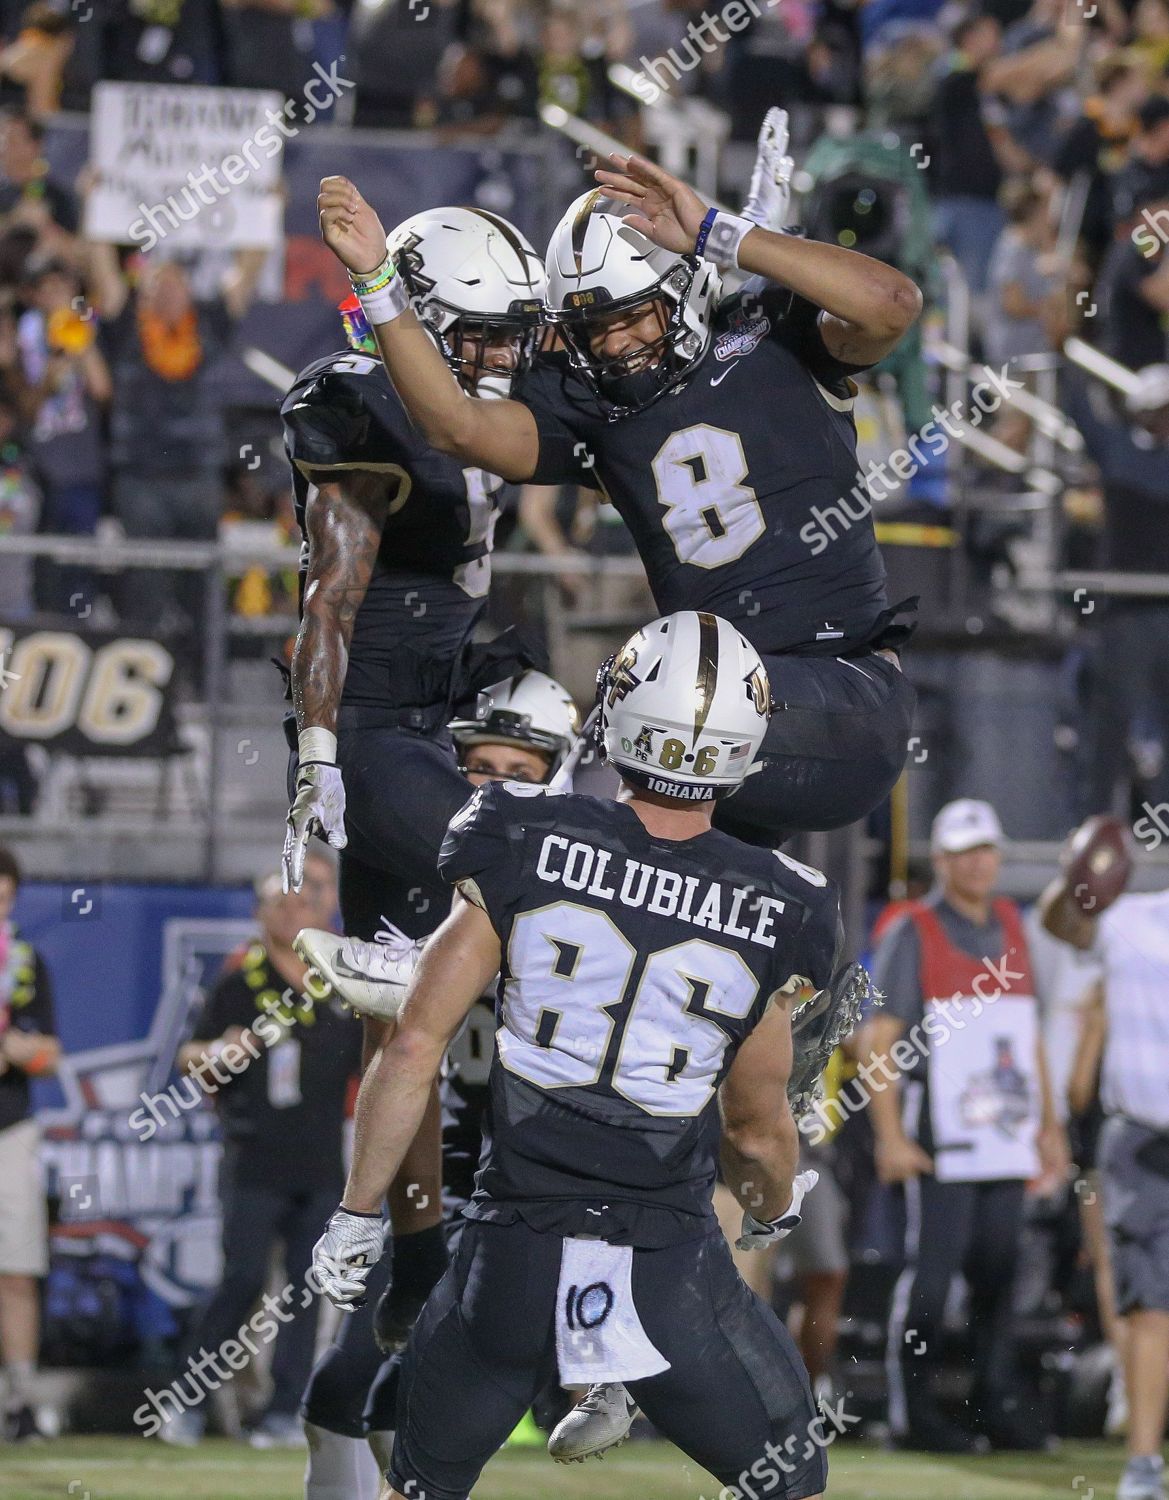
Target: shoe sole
[[579, 1458], [322, 981]]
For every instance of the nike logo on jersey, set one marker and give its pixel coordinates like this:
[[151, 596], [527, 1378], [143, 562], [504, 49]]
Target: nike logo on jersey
[[722, 374]]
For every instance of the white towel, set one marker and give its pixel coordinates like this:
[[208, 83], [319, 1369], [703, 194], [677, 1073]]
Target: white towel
[[599, 1336]]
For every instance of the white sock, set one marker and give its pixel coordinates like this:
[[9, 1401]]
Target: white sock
[[19, 1376], [338, 1468]]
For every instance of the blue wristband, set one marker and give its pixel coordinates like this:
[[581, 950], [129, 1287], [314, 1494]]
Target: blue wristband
[[704, 230]]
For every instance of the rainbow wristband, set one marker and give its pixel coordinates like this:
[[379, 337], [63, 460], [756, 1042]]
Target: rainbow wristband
[[381, 292]]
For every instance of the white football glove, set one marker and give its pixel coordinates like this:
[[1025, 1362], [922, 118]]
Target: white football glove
[[757, 1235], [345, 1254], [319, 807], [770, 195]]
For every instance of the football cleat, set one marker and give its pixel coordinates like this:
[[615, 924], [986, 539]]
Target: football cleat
[[602, 1421], [370, 977]]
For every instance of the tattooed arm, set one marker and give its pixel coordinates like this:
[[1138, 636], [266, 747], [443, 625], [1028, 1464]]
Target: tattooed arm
[[343, 520]]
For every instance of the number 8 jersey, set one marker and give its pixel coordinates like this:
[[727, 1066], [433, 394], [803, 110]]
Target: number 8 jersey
[[633, 967], [738, 486]]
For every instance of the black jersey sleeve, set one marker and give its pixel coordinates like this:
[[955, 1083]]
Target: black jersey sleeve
[[480, 853], [795, 323], [565, 456], [819, 937], [343, 413]]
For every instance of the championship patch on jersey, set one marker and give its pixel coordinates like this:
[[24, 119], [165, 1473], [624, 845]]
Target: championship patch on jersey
[[741, 337]]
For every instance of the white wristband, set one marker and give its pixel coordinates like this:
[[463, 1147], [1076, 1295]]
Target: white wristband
[[725, 236], [386, 304], [317, 744]]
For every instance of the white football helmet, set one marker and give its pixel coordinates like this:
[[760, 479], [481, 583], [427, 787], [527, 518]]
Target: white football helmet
[[597, 266], [472, 276], [532, 711], [684, 706]]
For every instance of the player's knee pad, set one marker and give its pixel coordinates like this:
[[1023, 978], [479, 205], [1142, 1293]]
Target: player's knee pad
[[381, 1406], [336, 1393]]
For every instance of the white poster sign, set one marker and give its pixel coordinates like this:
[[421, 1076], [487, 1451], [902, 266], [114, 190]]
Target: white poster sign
[[192, 167], [984, 1091]]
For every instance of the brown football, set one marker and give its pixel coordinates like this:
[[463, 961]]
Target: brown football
[[1097, 863]]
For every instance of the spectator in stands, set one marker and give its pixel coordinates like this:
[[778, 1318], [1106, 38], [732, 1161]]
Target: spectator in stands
[[168, 444], [1097, 144], [1022, 275], [1130, 702], [1145, 175], [967, 1121], [269, 44], [968, 143], [20, 513], [28, 1049], [1128, 936], [1037, 64], [1132, 291], [28, 193], [33, 64], [405, 95], [157, 41], [282, 1109], [65, 387]]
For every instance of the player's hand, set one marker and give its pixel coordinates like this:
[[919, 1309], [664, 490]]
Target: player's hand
[[770, 193], [757, 1235], [900, 1160], [349, 226], [319, 807], [345, 1254], [665, 209]]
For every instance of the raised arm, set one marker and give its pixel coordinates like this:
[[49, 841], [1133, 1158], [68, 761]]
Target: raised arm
[[499, 436], [869, 306]]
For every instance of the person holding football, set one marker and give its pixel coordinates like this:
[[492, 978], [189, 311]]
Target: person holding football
[[1087, 907]]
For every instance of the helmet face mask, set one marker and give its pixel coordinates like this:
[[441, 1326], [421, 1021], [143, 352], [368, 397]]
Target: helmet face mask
[[468, 340], [635, 379], [530, 712], [478, 288], [599, 267]]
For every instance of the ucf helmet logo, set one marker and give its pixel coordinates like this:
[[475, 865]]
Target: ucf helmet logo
[[621, 678], [759, 691]]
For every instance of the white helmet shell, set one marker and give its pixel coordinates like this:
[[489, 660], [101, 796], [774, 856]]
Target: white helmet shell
[[685, 706], [597, 263], [532, 711], [468, 266]]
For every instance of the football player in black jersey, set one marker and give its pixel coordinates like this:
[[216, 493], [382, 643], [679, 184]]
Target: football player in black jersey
[[522, 735], [721, 429], [649, 964], [396, 566]]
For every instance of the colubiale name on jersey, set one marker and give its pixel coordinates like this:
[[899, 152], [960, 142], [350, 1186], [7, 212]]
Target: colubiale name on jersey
[[737, 911]]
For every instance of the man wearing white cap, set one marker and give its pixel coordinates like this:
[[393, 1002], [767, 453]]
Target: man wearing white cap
[[962, 1117]]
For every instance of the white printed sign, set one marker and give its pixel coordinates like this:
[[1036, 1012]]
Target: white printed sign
[[193, 167], [984, 1091]]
